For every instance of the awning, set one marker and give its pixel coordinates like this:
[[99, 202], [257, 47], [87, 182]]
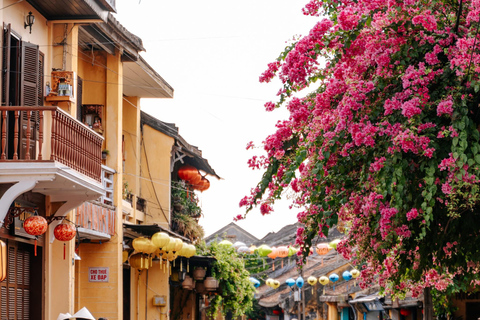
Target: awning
[[339, 298], [148, 230], [141, 80]]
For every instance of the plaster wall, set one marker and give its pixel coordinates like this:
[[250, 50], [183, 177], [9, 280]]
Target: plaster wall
[[155, 175]]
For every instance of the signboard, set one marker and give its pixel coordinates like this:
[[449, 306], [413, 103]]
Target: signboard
[[98, 274]]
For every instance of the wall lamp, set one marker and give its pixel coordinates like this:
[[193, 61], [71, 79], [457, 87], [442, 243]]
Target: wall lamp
[[29, 20]]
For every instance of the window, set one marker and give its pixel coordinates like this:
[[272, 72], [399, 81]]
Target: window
[[22, 85]]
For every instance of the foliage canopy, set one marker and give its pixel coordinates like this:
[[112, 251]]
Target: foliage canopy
[[383, 135]]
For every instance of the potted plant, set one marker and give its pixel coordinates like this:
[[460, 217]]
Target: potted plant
[[105, 153]]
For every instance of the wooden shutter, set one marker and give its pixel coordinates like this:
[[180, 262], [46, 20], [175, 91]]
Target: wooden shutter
[[15, 289], [7, 39], [31, 91]]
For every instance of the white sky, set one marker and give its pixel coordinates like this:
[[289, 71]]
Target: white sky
[[212, 53]]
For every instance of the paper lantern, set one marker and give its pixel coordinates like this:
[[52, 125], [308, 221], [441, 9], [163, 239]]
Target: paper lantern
[[333, 277], [264, 250], [64, 232], [139, 261], [275, 284], [346, 275], [290, 282], [243, 250], [35, 226], [170, 245], [323, 280], [255, 282], [192, 250], [239, 244], [273, 254], [178, 245], [253, 249], [141, 244], [282, 252], [225, 244], [292, 251], [299, 282], [323, 248], [124, 256], [405, 312], [269, 282], [355, 273], [160, 239], [312, 280], [334, 243]]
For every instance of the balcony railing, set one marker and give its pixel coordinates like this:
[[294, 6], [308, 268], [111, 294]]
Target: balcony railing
[[70, 142]]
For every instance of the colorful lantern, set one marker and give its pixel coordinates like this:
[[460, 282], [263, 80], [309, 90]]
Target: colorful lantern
[[334, 243], [255, 282], [346, 275], [292, 251], [355, 273], [178, 245], [141, 244], [243, 250], [252, 249], [264, 250], [160, 239], [299, 282], [312, 280], [405, 312], [269, 282], [35, 226], [290, 282], [273, 254], [238, 244], [64, 232], [275, 284], [225, 244], [334, 278], [282, 252], [323, 280]]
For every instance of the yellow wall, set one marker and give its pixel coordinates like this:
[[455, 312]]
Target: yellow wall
[[155, 169]]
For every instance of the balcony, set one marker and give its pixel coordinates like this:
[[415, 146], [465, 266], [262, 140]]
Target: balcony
[[45, 150]]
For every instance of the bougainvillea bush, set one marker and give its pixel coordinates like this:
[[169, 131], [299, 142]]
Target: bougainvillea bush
[[383, 135]]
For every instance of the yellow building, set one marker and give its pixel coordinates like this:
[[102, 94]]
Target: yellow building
[[74, 150]]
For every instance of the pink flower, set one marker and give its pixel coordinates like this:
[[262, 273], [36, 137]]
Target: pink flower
[[347, 19], [446, 188], [445, 107], [412, 214], [269, 106], [427, 20]]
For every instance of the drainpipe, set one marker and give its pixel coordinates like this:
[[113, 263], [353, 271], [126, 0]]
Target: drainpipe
[[146, 294]]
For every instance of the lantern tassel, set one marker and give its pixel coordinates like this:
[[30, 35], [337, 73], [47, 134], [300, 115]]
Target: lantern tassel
[[282, 263], [64, 250], [35, 247], [273, 266]]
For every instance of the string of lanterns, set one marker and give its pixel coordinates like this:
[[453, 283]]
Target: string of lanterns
[[160, 245], [191, 175], [311, 280]]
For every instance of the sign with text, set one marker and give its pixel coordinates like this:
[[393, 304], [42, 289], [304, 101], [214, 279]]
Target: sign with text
[[97, 274]]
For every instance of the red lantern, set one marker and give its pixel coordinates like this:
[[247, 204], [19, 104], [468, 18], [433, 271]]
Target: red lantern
[[64, 232], [276, 312], [405, 312], [202, 185], [35, 226]]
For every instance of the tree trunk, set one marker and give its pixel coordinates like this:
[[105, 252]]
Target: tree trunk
[[427, 304]]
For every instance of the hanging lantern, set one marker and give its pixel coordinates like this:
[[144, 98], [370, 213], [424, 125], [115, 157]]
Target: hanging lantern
[[3, 260], [282, 252], [139, 261], [334, 278], [275, 284], [355, 273], [405, 312], [269, 282], [160, 239], [35, 226], [312, 280], [292, 251], [225, 244], [346, 275], [252, 249], [239, 244], [323, 281], [178, 245], [124, 256], [186, 172], [255, 282], [170, 246], [264, 250], [273, 254], [290, 282], [202, 185], [64, 232], [243, 250], [299, 282], [140, 244], [334, 243], [322, 249]]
